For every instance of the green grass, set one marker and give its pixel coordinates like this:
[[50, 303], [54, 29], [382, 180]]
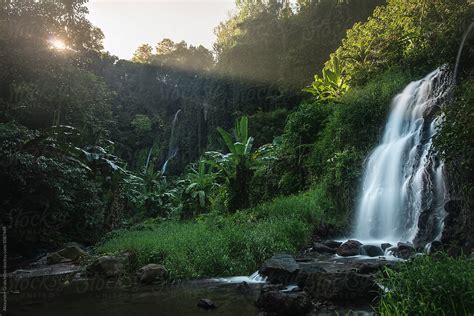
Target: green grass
[[438, 285], [222, 245]]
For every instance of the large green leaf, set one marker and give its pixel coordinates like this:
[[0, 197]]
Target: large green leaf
[[227, 139], [248, 146], [243, 129]]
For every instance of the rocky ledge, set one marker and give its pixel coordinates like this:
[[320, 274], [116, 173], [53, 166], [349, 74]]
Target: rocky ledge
[[318, 283], [72, 270], [329, 275]]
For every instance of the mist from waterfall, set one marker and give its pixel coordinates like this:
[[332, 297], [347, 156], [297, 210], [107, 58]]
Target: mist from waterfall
[[403, 177]]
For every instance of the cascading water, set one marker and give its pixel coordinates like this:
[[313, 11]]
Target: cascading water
[[173, 149], [403, 179]]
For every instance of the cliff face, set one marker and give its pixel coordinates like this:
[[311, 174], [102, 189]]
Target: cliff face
[[458, 225]]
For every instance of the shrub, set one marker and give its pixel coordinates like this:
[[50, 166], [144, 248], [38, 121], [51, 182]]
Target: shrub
[[47, 197], [438, 285]]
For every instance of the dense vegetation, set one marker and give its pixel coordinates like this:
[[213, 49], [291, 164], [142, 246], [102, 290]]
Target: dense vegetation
[[445, 288], [256, 164], [215, 244]]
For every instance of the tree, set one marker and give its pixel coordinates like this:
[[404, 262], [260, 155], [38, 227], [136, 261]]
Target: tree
[[404, 32], [143, 54]]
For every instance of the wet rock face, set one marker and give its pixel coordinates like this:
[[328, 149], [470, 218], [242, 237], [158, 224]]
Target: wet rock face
[[284, 303], [457, 231], [371, 251], [349, 248], [106, 266], [281, 268], [404, 250], [341, 287], [151, 273], [321, 248], [434, 247], [304, 273]]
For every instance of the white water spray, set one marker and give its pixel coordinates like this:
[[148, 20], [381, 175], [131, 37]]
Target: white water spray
[[403, 179]]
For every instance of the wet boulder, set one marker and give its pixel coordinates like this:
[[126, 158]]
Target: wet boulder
[[55, 258], [281, 268], [205, 303], [385, 246], [321, 248], [72, 252], [404, 250], [284, 303], [371, 251], [151, 273], [349, 248], [341, 287], [332, 243], [305, 271], [106, 266], [244, 287]]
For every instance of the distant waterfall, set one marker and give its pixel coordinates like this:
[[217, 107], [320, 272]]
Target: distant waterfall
[[403, 184], [173, 148]]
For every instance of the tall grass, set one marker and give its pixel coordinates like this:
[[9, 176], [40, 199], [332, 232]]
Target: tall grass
[[438, 285], [221, 245]]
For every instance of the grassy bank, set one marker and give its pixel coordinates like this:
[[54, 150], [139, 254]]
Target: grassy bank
[[220, 245], [438, 285]]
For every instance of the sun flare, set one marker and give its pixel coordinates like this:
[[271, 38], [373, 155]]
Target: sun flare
[[57, 44]]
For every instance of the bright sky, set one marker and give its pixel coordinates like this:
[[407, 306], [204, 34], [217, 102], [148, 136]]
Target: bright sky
[[127, 24]]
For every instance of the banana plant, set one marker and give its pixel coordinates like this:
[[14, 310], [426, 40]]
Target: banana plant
[[236, 165], [332, 84], [200, 183], [241, 148]]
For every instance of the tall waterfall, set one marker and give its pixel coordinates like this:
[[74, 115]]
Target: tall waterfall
[[403, 189], [173, 148]]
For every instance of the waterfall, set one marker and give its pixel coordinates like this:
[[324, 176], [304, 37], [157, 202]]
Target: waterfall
[[403, 188], [173, 148]]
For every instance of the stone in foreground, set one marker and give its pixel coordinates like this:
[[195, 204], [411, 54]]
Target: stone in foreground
[[341, 287], [106, 266], [205, 303], [404, 250], [284, 303], [371, 251], [281, 268], [349, 248], [72, 252], [151, 273]]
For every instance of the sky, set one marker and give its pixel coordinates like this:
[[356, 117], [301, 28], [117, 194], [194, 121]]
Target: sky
[[128, 24]]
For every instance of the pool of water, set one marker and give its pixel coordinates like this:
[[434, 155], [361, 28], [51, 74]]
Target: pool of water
[[177, 299]]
